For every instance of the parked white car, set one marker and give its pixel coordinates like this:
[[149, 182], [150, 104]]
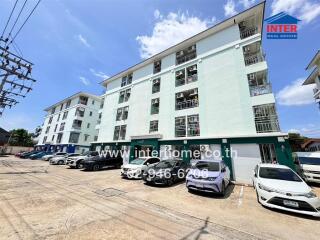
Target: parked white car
[[308, 165], [49, 156], [279, 187], [135, 168], [58, 160]]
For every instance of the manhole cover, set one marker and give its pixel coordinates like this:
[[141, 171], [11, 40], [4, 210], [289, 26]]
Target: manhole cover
[[109, 192]]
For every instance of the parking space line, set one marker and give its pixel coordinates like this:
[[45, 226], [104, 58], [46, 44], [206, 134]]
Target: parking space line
[[240, 196]]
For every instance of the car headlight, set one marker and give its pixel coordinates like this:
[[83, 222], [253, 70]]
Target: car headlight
[[310, 195], [211, 178], [262, 187]]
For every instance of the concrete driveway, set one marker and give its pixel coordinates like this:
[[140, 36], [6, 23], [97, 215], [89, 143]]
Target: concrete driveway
[[40, 201]]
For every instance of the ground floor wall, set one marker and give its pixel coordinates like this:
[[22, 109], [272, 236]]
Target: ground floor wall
[[241, 155]]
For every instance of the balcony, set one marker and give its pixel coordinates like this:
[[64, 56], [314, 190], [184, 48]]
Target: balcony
[[248, 32], [267, 126], [260, 90], [253, 54], [253, 58], [187, 104], [266, 119], [187, 99]]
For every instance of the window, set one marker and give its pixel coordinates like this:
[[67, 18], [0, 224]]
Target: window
[[92, 102], [155, 103], [90, 114], [55, 128], [74, 137], [193, 125], [126, 80], [62, 126], [266, 118], [76, 124], [59, 137], [53, 110], [50, 120], [83, 100], [120, 132], [156, 85], [88, 125], [157, 66], [192, 128], [122, 113], [186, 54], [124, 95], [86, 137], [80, 112], [52, 139], [47, 130], [268, 153], [99, 118], [180, 127], [44, 139], [258, 83], [102, 103], [153, 126], [65, 115], [186, 75], [95, 138], [187, 99], [61, 107], [68, 103], [58, 117]]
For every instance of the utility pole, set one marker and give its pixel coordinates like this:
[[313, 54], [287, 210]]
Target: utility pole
[[15, 77]]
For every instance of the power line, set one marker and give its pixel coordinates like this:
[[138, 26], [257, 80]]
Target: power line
[[5, 28], [25, 21], [24, 4]]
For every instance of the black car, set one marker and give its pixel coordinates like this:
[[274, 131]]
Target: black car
[[166, 172], [96, 163]]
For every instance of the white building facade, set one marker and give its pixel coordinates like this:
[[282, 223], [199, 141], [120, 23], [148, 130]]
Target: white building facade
[[314, 77], [210, 91], [70, 125]]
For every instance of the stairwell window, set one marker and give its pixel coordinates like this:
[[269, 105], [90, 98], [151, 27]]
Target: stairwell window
[[156, 85], [120, 132], [124, 95], [122, 113], [155, 105], [186, 54], [157, 66], [186, 75], [187, 126]]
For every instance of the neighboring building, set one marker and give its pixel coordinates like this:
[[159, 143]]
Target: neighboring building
[[314, 77], [311, 145], [4, 137], [210, 91], [69, 125]]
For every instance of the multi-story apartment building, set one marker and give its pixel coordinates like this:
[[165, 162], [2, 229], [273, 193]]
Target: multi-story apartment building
[[70, 125], [314, 77], [210, 91]]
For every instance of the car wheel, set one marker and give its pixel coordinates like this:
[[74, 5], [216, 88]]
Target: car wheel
[[79, 165], [223, 189], [60, 162], [169, 182], [95, 167]]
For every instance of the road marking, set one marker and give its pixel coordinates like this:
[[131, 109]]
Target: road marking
[[240, 197]]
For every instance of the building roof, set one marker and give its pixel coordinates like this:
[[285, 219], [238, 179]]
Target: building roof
[[3, 131], [314, 60], [312, 77], [72, 97], [310, 141], [188, 42]]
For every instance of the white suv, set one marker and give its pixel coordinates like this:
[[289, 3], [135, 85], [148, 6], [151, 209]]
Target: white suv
[[278, 186], [137, 166]]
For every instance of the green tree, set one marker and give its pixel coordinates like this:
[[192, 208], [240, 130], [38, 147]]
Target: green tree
[[20, 137]]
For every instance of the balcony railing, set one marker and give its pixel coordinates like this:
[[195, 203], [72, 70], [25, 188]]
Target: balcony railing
[[253, 59], [187, 104], [260, 90], [76, 127], [266, 126], [180, 132], [248, 32]]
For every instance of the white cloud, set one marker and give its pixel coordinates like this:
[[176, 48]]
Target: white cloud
[[295, 94], [293, 130], [307, 130], [84, 80], [170, 30], [305, 10], [83, 41], [247, 3], [230, 8], [99, 74]]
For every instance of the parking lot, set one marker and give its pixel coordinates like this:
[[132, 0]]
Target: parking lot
[[42, 201]]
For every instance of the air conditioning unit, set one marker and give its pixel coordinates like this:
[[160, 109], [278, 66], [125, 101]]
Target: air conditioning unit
[[155, 101], [246, 49], [179, 73], [193, 68], [252, 76], [192, 48], [194, 91], [180, 95], [179, 54], [156, 81]]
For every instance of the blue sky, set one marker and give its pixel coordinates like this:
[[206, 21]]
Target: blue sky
[[75, 44]]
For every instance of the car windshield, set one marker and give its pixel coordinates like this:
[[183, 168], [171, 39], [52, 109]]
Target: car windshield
[[165, 164], [210, 166], [309, 160], [138, 161], [279, 174], [59, 154]]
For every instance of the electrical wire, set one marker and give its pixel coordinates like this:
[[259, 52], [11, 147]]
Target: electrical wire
[[5, 28], [15, 22]]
